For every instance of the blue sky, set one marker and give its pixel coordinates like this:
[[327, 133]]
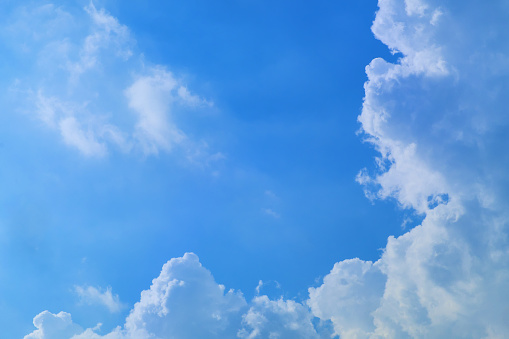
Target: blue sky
[[273, 141]]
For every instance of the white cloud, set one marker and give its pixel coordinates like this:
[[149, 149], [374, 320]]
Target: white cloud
[[46, 109], [184, 301], [277, 319], [108, 33], [96, 90], [438, 118], [93, 296], [68, 119], [191, 99], [34, 25], [54, 326], [85, 141], [258, 287], [151, 97]]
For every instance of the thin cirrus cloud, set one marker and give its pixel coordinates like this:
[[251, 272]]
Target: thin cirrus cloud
[[77, 80], [107, 31], [438, 119]]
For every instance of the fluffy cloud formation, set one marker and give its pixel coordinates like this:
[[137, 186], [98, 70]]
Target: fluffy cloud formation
[[438, 118], [94, 89], [277, 319], [354, 286], [54, 326], [186, 302]]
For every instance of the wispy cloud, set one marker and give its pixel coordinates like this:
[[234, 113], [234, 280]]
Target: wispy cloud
[[270, 212], [74, 135], [152, 97], [108, 34], [81, 93], [51, 325], [95, 296]]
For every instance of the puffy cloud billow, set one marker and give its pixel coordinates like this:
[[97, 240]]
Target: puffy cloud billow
[[438, 118], [186, 302]]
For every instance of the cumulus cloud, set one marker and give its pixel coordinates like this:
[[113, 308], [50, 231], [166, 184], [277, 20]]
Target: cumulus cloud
[[74, 135], [96, 90], [184, 301], [438, 118], [65, 118], [191, 99], [348, 296], [54, 326], [277, 319]]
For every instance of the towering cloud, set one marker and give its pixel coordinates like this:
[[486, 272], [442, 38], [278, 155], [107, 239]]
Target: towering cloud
[[186, 302], [439, 119]]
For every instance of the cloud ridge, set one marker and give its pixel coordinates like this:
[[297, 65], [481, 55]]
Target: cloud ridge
[[437, 118]]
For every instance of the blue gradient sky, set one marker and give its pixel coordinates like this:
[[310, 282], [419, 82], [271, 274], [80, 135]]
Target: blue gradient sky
[[286, 82], [133, 132]]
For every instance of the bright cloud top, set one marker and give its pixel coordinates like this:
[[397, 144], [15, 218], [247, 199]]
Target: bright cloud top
[[80, 94], [438, 118], [186, 302]]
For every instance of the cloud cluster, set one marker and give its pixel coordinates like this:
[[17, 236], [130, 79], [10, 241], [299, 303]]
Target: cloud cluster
[[438, 119], [54, 326], [95, 90], [186, 302]]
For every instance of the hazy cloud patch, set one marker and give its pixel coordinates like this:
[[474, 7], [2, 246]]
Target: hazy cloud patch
[[89, 83], [95, 296]]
